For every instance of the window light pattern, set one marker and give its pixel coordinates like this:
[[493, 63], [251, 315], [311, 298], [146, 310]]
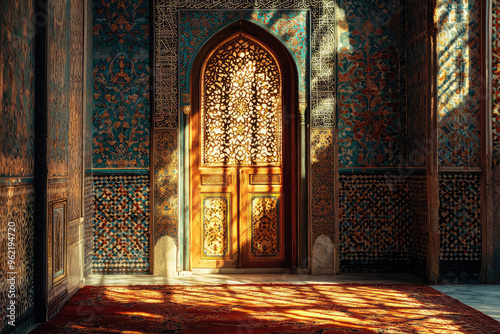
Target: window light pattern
[[241, 107]]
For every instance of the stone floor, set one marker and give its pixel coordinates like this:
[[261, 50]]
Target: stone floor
[[484, 298]]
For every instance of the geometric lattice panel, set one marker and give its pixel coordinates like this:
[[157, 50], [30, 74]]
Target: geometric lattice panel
[[459, 83], [369, 117], [242, 93], [374, 222], [459, 217], [17, 206], [496, 81], [121, 224]]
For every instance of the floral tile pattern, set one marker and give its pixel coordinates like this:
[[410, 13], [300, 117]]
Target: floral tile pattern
[[121, 84], [369, 117]]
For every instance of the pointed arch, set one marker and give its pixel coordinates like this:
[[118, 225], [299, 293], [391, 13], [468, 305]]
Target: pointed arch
[[289, 120]]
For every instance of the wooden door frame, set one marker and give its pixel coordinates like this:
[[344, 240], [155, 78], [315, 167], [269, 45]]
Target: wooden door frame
[[290, 126]]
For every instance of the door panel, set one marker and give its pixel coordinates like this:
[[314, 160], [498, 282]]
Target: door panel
[[215, 223], [262, 217]]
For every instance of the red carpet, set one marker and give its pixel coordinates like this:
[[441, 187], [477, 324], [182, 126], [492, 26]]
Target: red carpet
[[346, 308]]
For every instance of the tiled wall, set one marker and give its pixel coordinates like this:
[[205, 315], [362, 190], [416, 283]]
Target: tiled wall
[[17, 84], [121, 227], [64, 117], [59, 95], [496, 128], [88, 137], [375, 219], [460, 227], [16, 156], [369, 83], [16, 206], [323, 180], [419, 232], [418, 106], [496, 81], [459, 82], [121, 84], [418, 80], [166, 184], [371, 110], [375, 223], [459, 85], [76, 107], [121, 135]]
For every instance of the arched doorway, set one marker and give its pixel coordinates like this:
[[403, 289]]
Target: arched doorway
[[243, 187]]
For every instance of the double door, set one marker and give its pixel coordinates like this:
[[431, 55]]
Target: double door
[[237, 204], [238, 218]]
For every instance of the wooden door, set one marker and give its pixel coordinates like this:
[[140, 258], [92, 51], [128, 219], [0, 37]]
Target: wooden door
[[236, 159]]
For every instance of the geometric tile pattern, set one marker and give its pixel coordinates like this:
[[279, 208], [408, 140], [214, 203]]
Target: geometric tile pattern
[[88, 196], [369, 118], [17, 206], [17, 88], [121, 84], [323, 181], [459, 217], [88, 224], [375, 222], [75, 158], [121, 224], [459, 82], [419, 232], [418, 79], [496, 81], [167, 56], [198, 26], [58, 85]]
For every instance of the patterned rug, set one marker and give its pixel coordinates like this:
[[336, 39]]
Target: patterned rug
[[281, 308]]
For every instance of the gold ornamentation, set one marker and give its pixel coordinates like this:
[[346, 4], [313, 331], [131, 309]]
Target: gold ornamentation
[[265, 225], [211, 179], [215, 224], [241, 114], [265, 179]]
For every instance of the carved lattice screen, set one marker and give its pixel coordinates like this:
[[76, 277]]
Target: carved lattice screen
[[241, 107]]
